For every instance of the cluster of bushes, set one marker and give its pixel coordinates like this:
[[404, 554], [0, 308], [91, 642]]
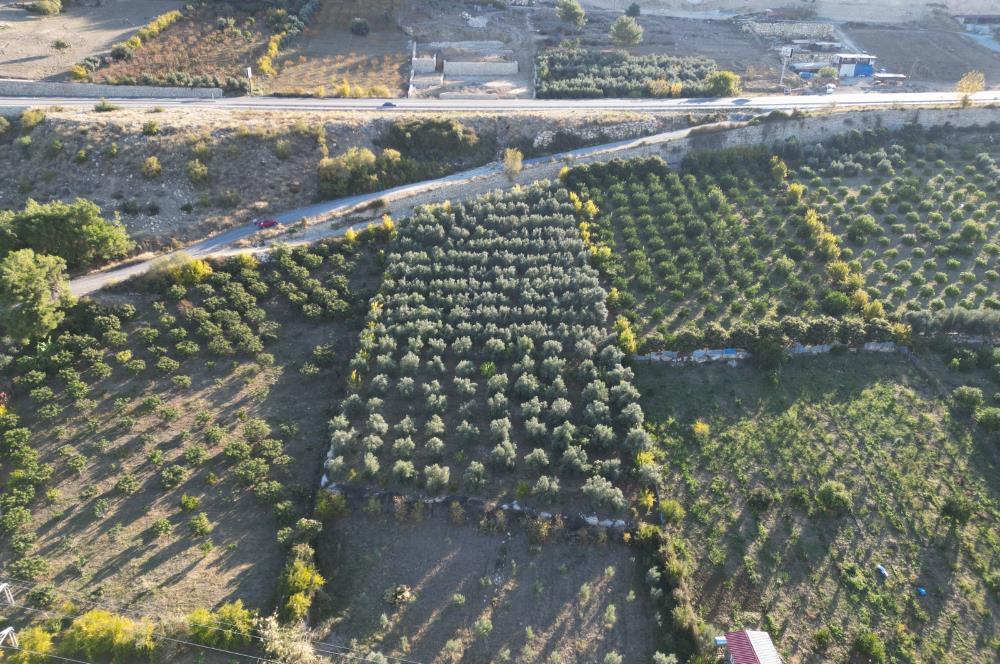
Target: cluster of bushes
[[99, 635], [126, 50], [359, 170], [76, 232], [498, 289], [970, 400], [581, 73], [37, 245], [411, 150], [756, 336], [286, 27], [432, 138], [669, 578], [45, 7]]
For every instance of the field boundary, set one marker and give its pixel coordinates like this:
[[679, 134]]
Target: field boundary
[[14, 88]]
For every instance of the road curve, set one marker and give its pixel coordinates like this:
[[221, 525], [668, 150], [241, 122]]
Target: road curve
[[223, 243]]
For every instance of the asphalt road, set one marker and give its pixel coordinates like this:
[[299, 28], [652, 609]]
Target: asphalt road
[[223, 243], [786, 102]]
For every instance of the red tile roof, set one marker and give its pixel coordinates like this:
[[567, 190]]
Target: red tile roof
[[740, 649], [751, 647]]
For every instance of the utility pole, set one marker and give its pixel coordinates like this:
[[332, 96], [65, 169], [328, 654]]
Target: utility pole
[[786, 53], [6, 594], [8, 636]]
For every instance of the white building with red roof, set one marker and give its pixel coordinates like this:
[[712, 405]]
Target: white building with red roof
[[750, 647]]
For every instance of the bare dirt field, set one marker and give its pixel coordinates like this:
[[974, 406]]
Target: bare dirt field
[[721, 40], [482, 596], [26, 39], [930, 57], [328, 53], [883, 11], [196, 46], [99, 540]]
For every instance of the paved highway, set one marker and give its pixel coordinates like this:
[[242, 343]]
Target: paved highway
[[805, 102]]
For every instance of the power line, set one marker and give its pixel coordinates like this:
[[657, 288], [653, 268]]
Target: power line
[[152, 634], [323, 648], [345, 655], [45, 654]]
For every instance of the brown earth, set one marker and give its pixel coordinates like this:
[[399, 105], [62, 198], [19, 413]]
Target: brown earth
[[247, 177], [26, 39], [98, 541], [196, 46], [721, 40], [328, 53], [545, 602], [932, 58]]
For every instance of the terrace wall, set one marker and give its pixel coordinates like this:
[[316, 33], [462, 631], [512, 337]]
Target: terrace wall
[[455, 68], [10, 88]]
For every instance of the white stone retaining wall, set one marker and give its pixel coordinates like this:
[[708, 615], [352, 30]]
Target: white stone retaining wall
[[424, 65], [10, 88], [734, 355], [460, 68]]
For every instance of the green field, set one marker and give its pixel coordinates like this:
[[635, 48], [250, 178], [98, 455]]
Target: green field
[[775, 545], [868, 228]]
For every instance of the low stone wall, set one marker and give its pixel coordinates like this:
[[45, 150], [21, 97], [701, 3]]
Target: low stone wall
[[359, 496], [424, 65], [11, 88], [458, 68]]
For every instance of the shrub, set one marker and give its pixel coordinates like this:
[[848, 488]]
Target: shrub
[[101, 635], [672, 510], [197, 171], [31, 118], [299, 583], [330, 505], [834, 497], [161, 527], [603, 494], [475, 476], [200, 525], [436, 477], [869, 645], [151, 168], [171, 476], [967, 398], [988, 418], [360, 27], [127, 484], [229, 626], [512, 162], [36, 645]]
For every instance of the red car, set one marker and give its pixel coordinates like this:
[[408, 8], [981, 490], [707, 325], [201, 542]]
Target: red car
[[267, 223]]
